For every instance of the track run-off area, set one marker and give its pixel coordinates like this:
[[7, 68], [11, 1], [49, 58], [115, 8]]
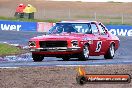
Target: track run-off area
[[122, 56]]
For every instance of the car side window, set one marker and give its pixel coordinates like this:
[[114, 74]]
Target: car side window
[[94, 28], [102, 29]]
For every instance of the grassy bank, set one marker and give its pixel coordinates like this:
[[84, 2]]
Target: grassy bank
[[104, 21], [6, 49]]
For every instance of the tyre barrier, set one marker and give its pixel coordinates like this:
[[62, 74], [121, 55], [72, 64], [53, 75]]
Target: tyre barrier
[[120, 30]]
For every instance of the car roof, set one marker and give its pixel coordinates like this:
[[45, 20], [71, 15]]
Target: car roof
[[78, 21]]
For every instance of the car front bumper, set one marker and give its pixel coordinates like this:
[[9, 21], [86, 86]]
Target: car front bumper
[[55, 49]]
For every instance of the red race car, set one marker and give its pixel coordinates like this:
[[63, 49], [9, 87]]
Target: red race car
[[75, 39]]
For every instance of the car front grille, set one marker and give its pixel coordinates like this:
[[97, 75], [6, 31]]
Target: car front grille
[[44, 44]]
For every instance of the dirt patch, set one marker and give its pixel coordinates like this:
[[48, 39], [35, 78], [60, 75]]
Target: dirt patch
[[87, 6], [52, 9], [58, 77], [109, 13]]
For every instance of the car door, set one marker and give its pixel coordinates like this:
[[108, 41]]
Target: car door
[[103, 38], [97, 43]]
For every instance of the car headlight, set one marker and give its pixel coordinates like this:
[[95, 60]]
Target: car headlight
[[32, 43], [74, 43]]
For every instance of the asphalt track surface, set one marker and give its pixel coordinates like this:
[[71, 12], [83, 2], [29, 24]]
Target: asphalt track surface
[[122, 56]]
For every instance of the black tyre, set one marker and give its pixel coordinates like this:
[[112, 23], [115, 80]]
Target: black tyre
[[85, 53], [110, 53], [37, 58], [81, 80], [66, 58]]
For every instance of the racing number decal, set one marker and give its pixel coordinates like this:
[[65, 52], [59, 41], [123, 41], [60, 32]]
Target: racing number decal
[[98, 48]]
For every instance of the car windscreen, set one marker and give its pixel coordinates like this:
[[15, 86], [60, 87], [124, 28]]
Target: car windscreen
[[71, 27]]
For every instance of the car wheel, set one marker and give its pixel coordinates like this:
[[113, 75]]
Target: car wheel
[[37, 58], [66, 58], [85, 53], [110, 53]]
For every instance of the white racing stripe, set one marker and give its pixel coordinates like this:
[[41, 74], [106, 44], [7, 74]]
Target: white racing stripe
[[9, 67], [126, 61], [75, 65]]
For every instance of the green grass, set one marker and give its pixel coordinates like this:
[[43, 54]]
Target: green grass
[[103, 18], [6, 49], [108, 17], [98, 17], [116, 20], [83, 16], [116, 23]]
